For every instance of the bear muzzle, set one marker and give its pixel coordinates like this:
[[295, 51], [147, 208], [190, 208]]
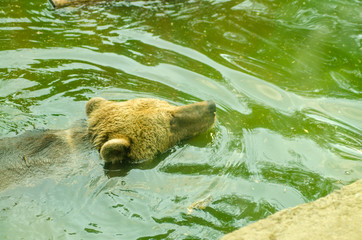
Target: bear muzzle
[[193, 119]]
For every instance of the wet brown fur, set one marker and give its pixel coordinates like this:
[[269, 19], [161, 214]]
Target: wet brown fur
[[133, 130]]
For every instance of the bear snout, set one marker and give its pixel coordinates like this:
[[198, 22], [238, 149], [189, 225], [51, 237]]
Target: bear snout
[[212, 107], [192, 119]]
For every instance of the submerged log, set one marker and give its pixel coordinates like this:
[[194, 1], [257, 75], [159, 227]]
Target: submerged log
[[64, 3]]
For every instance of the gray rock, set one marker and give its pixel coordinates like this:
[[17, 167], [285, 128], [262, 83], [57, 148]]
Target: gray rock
[[337, 216]]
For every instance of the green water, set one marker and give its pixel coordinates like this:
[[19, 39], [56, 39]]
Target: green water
[[286, 77]]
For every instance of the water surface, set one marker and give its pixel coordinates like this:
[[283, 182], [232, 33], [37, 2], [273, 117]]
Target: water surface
[[286, 78]]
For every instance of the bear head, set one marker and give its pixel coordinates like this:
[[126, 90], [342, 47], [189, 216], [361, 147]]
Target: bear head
[[138, 129]]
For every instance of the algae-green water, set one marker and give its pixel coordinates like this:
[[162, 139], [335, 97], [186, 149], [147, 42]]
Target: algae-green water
[[285, 75]]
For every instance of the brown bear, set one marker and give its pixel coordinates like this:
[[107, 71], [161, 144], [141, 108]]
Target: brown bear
[[130, 131]]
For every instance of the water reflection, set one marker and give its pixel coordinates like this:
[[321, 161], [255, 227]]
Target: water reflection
[[311, 185]]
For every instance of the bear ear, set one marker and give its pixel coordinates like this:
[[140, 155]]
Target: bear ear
[[115, 150], [93, 104]]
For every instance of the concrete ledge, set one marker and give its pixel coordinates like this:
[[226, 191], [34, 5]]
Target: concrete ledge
[[337, 216]]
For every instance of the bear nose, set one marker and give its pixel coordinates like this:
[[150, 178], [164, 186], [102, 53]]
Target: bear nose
[[212, 106]]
